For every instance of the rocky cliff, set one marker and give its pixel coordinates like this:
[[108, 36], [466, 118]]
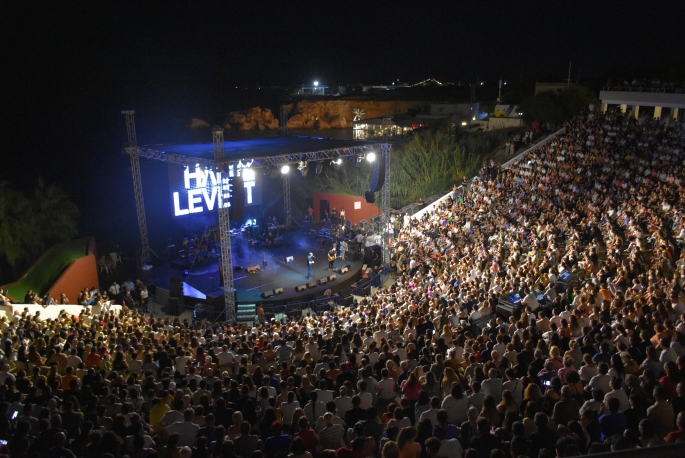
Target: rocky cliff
[[254, 118], [332, 114]]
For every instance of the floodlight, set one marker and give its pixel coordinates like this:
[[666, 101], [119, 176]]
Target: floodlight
[[316, 83], [248, 174], [285, 169], [371, 157], [463, 123]]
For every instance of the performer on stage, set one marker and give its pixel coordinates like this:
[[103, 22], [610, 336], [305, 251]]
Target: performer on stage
[[310, 265], [331, 259]]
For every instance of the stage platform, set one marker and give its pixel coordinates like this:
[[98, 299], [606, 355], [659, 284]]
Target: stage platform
[[202, 282]]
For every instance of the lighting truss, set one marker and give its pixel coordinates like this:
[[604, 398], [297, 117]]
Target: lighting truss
[[259, 162]]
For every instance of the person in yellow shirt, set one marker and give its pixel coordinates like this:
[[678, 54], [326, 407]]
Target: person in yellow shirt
[[160, 406]]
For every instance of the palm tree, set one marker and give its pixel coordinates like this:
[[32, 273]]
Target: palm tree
[[358, 114]]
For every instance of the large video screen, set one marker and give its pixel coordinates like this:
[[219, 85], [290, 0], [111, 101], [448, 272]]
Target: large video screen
[[194, 189]]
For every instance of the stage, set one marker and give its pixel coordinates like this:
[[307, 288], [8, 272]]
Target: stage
[[200, 282]]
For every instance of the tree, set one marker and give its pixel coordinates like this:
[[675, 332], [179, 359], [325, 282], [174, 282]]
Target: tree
[[429, 163], [54, 213], [16, 231], [29, 226], [557, 108]]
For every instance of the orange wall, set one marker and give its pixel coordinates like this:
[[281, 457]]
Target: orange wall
[[82, 273], [347, 202]]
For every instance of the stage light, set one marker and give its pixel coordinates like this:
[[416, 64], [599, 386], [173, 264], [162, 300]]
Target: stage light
[[316, 83], [463, 123], [338, 161], [285, 169], [248, 175], [318, 167], [371, 157]]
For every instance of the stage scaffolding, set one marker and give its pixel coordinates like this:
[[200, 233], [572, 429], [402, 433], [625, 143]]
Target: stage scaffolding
[[137, 185], [223, 163], [225, 234]]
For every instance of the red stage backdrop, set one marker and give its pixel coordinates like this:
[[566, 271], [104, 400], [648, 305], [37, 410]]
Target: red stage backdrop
[[365, 210]]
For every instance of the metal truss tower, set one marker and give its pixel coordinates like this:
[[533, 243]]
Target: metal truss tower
[[386, 148], [225, 229], [137, 184], [289, 220]]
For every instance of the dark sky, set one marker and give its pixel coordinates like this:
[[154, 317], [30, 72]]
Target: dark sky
[[70, 70]]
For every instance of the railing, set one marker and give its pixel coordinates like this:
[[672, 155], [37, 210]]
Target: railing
[[203, 313], [297, 309], [364, 289], [661, 90]]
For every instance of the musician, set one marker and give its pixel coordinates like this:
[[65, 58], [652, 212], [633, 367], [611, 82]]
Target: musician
[[331, 259], [342, 216], [334, 216], [310, 265]]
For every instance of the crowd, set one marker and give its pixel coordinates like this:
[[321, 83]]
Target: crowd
[[411, 371]]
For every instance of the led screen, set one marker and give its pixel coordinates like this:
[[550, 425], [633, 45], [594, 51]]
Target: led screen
[[197, 190]]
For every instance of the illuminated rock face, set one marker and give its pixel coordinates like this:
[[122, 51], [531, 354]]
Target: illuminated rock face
[[313, 114], [338, 114], [253, 118]]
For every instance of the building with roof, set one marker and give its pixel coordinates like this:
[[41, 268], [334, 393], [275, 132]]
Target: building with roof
[[653, 102]]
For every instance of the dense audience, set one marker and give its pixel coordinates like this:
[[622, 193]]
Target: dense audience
[[586, 230]]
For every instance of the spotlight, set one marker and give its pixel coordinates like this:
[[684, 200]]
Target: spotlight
[[338, 161], [285, 169], [371, 157], [359, 161]]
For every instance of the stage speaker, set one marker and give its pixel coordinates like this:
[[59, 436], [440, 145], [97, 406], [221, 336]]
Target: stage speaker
[[378, 179], [175, 287], [278, 291], [174, 308], [370, 197], [311, 284], [266, 294], [322, 281], [288, 259], [238, 268], [171, 252], [300, 288], [353, 256], [253, 269], [237, 208], [332, 277]]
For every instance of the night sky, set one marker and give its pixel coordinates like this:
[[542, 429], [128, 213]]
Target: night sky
[[70, 70]]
